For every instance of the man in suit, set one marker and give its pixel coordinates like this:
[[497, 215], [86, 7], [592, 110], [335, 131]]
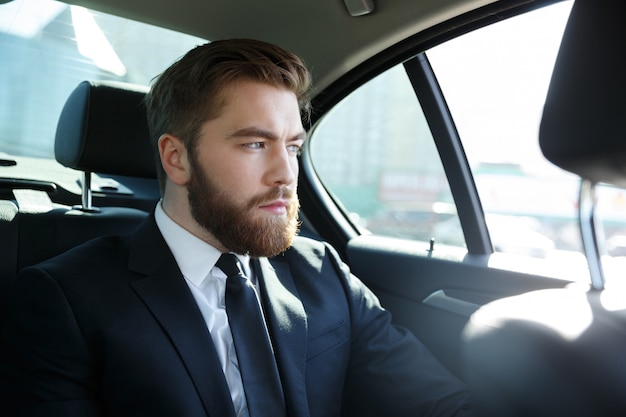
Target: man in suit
[[140, 325]]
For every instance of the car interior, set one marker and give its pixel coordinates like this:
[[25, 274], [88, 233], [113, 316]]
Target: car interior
[[527, 343]]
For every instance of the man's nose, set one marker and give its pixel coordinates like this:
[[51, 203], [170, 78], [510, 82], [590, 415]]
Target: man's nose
[[283, 167]]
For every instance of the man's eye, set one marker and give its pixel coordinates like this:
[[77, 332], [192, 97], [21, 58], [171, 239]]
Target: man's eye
[[295, 149], [255, 145]]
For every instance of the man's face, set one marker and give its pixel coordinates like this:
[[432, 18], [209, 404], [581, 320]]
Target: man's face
[[244, 170]]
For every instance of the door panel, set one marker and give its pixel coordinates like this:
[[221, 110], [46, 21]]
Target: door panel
[[434, 297]]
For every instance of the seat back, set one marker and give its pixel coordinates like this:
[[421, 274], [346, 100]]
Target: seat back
[[102, 129]]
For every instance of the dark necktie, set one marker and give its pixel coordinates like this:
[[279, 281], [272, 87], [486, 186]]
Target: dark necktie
[[257, 365]]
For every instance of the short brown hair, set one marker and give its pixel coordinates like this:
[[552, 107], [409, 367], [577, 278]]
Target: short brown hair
[[187, 94]]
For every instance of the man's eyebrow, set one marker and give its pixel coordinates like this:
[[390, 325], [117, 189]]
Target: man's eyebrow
[[257, 132], [300, 136]]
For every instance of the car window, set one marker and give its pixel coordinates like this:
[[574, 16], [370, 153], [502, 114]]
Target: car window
[[48, 48], [375, 153], [388, 175]]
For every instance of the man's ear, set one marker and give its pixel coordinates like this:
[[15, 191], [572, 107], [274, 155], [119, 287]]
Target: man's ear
[[174, 159]]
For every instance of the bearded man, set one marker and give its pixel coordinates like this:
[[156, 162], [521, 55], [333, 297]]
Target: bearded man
[[153, 324]]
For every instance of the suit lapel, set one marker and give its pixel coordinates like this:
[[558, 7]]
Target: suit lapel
[[166, 295], [288, 329]]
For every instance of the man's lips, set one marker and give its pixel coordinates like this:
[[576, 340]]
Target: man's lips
[[276, 206]]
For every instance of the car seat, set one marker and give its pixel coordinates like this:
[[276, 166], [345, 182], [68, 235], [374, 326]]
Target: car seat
[[102, 129]]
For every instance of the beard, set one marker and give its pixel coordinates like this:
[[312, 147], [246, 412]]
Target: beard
[[238, 226]]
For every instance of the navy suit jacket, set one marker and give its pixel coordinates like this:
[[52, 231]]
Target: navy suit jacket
[[111, 328]]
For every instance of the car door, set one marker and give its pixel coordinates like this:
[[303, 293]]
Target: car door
[[423, 170]]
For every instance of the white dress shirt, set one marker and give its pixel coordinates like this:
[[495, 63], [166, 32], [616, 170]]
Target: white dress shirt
[[196, 260]]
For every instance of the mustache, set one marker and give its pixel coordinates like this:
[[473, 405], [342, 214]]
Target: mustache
[[278, 193]]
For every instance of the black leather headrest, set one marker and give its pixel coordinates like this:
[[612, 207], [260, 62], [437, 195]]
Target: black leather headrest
[[583, 129], [103, 128]]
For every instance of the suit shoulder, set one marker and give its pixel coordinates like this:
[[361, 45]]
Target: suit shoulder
[[309, 248], [311, 253]]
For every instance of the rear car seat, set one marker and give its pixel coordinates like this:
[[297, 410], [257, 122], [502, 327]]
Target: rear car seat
[[102, 129]]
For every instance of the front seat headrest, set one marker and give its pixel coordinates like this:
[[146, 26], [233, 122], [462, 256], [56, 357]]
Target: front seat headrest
[[583, 129], [103, 128]]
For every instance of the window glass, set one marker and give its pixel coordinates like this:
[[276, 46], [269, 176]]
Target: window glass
[[49, 47], [495, 81], [376, 154]]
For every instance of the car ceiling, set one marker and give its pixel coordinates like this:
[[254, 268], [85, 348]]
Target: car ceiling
[[304, 27]]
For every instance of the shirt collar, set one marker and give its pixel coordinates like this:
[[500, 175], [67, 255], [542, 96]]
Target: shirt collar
[[194, 256]]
